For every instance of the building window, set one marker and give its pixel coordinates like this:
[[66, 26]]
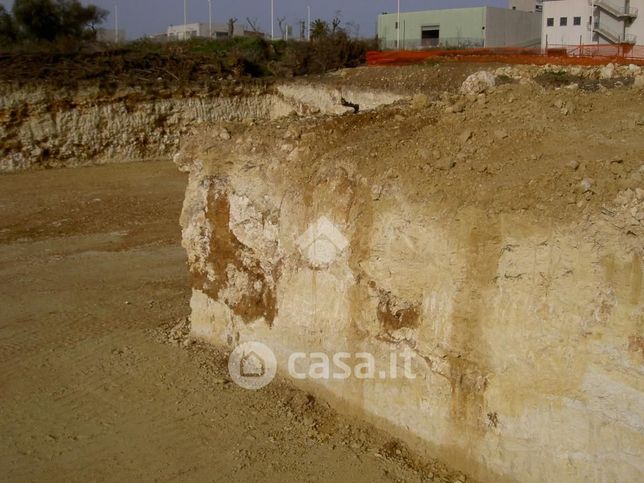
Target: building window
[[576, 21], [550, 22], [563, 21]]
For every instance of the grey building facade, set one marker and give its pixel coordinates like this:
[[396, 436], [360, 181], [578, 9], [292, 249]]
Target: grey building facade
[[460, 28]]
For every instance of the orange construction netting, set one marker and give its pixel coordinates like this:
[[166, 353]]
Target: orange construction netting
[[554, 54]]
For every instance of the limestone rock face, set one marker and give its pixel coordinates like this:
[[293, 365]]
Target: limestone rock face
[[42, 127], [45, 128], [523, 322]]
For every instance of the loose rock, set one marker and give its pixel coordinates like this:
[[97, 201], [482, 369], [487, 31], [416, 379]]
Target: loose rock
[[478, 83], [607, 72]]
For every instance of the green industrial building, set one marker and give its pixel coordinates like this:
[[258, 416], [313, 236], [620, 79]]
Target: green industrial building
[[460, 27]]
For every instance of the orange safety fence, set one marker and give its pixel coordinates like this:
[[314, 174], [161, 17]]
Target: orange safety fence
[[555, 54]]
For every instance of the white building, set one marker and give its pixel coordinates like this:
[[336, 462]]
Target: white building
[[576, 22], [526, 5], [461, 28], [193, 30]]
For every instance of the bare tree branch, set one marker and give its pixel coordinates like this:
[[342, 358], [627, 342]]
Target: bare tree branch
[[252, 22], [282, 26], [231, 27]]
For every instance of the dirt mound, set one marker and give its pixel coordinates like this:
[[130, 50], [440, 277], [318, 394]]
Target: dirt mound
[[519, 147], [437, 76], [433, 78]]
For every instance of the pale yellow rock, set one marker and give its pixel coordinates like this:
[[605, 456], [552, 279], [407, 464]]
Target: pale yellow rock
[[525, 334]]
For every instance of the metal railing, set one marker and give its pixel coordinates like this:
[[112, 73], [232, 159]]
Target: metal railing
[[630, 39], [618, 38], [602, 51], [617, 10], [425, 44]]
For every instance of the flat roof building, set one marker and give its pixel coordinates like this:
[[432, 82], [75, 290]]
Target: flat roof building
[[526, 5], [583, 22], [194, 30], [461, 27]]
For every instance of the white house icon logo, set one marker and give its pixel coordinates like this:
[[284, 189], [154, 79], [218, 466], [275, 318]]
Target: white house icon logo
[[252, 365], [322, 243]]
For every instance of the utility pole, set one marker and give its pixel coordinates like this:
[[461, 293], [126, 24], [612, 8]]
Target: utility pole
[[308, 30], [210, 17], [398, 28], [185, 19], [116, 24], [272, 19]]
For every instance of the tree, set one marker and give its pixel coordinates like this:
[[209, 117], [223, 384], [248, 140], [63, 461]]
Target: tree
[[319, 29], [336, 22], [302, 29], [252, 22], [281, 24], [52, 19], [77, 20], [7, 27], [231, 27], [37, 19], [352, 29]]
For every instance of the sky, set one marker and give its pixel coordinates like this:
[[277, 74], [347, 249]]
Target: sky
[[142, 17]]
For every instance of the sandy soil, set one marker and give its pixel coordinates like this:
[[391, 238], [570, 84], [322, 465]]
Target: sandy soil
[[96, 379]]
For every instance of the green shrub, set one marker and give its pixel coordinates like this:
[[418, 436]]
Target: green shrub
[[75, 57]]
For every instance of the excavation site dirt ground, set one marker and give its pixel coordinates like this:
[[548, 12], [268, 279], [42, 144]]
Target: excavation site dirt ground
[[97, 381], [99, 378]]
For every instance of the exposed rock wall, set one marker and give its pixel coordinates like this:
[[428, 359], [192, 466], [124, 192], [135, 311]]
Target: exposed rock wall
[[521, 304], [41, 127]]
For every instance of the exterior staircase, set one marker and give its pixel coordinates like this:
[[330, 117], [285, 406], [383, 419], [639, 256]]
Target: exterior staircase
[[614, 37], [616, 10], [620, 10]]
